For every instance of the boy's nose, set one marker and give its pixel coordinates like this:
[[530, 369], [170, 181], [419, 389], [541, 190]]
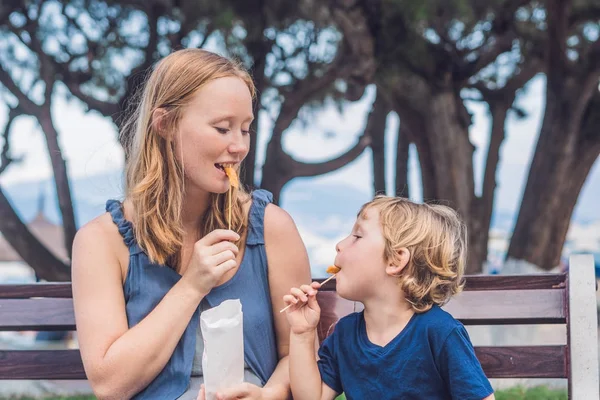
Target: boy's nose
[[337, 247]]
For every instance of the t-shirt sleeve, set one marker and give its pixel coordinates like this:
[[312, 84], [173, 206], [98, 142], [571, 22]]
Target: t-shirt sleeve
[[327, 363], [461, 369]]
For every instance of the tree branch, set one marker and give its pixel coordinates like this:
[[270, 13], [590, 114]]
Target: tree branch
[[103, 107], [313, 169], [588, 13], [302, 91], [508, 91], [24, 102], [136, 77], [5, 156], [45, 264]]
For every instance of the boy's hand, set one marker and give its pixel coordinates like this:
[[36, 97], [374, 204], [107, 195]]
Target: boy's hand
[[303, 316]]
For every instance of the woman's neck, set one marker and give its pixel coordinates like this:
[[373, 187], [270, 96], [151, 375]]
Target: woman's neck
[[195, 205]]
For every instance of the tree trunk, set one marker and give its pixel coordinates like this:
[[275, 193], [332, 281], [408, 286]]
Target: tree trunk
[[402, 188], [259, 52], [376, 123], [558, 171], [277, 170], [61, 178], [445, 156], [452, 152], [564, 152], [44, 263], [483, 206]]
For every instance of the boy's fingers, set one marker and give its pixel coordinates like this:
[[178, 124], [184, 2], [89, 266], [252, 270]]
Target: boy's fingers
[[308, 289], [313, 303], [316, 285], [289, 299], [299, 294]]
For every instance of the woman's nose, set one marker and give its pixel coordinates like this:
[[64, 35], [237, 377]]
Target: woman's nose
[[238, 145]]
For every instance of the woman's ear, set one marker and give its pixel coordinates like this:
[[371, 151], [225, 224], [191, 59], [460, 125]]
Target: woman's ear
[[159, 122], [401, 260]]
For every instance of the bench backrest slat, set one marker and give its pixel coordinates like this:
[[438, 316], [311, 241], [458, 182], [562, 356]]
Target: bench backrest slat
[[25, 291], [41, 364], [523, 361], [36, 314], [544, 306], [471, 308], [500, 282], [486, 300], [497, 362]]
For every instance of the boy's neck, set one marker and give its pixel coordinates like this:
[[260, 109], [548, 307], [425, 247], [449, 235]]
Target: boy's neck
[[385, 319]]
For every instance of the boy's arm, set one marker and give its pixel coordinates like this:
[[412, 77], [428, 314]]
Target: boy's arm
[[305, 378], [490, 397]]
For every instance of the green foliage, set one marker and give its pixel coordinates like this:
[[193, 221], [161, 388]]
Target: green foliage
[[521, 393], [535, 393]]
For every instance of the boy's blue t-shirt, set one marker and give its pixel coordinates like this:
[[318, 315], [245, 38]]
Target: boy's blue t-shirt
[[432, 358]]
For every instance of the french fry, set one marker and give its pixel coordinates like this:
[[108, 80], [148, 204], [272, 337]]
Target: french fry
[[234, 182]]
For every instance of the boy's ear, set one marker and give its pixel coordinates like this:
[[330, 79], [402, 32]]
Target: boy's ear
[[159, 121], [401, 260]]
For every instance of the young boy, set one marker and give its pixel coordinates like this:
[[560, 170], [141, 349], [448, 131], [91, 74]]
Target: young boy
[[402, 261]]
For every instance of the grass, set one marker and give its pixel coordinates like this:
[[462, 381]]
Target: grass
[[535, 393], [52, 398], [516, 393], [521, 393]]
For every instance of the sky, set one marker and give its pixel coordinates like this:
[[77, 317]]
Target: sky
[[89, 145]]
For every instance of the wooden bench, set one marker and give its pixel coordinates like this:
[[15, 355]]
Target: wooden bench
[[567, 299]]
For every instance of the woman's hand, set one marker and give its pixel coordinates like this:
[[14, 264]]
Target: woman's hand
[[245, 390], [303, 316], [213, 256]]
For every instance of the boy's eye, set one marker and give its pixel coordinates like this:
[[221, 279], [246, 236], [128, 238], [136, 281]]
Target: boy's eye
[[357, 237], [221, 130]]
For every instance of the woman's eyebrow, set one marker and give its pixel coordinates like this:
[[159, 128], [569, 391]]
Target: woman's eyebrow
[[228, 118]]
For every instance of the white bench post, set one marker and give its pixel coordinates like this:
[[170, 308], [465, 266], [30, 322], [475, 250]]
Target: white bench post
[[583, 329]]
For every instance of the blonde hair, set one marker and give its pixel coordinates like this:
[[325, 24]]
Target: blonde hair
[[154, 178], [437, 240]]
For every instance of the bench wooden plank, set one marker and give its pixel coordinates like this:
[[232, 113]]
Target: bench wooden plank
[[499, 282], [473, 283], [25, 291], [474, 308], [471, 308], [497, 362], [523, 361], [36, 314], [545, 306], [41, 364]]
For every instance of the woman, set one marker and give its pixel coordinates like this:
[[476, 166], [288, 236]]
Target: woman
[[144, 271]]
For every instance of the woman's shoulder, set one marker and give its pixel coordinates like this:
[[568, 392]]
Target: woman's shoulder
[[101, 228], [278, 221], [99, 235]]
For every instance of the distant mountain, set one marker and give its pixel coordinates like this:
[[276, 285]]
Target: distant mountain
[[323, 212]]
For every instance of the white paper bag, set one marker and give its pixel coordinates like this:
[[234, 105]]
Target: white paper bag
[[223, 357]]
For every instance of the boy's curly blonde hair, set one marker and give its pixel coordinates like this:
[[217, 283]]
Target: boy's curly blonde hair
[[437, 240]]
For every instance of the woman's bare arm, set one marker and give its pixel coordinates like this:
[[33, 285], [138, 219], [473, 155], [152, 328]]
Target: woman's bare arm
[[288, 267], [119, 361]]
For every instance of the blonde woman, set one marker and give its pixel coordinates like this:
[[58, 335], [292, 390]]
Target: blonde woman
[[144, 271], [403, 261]]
